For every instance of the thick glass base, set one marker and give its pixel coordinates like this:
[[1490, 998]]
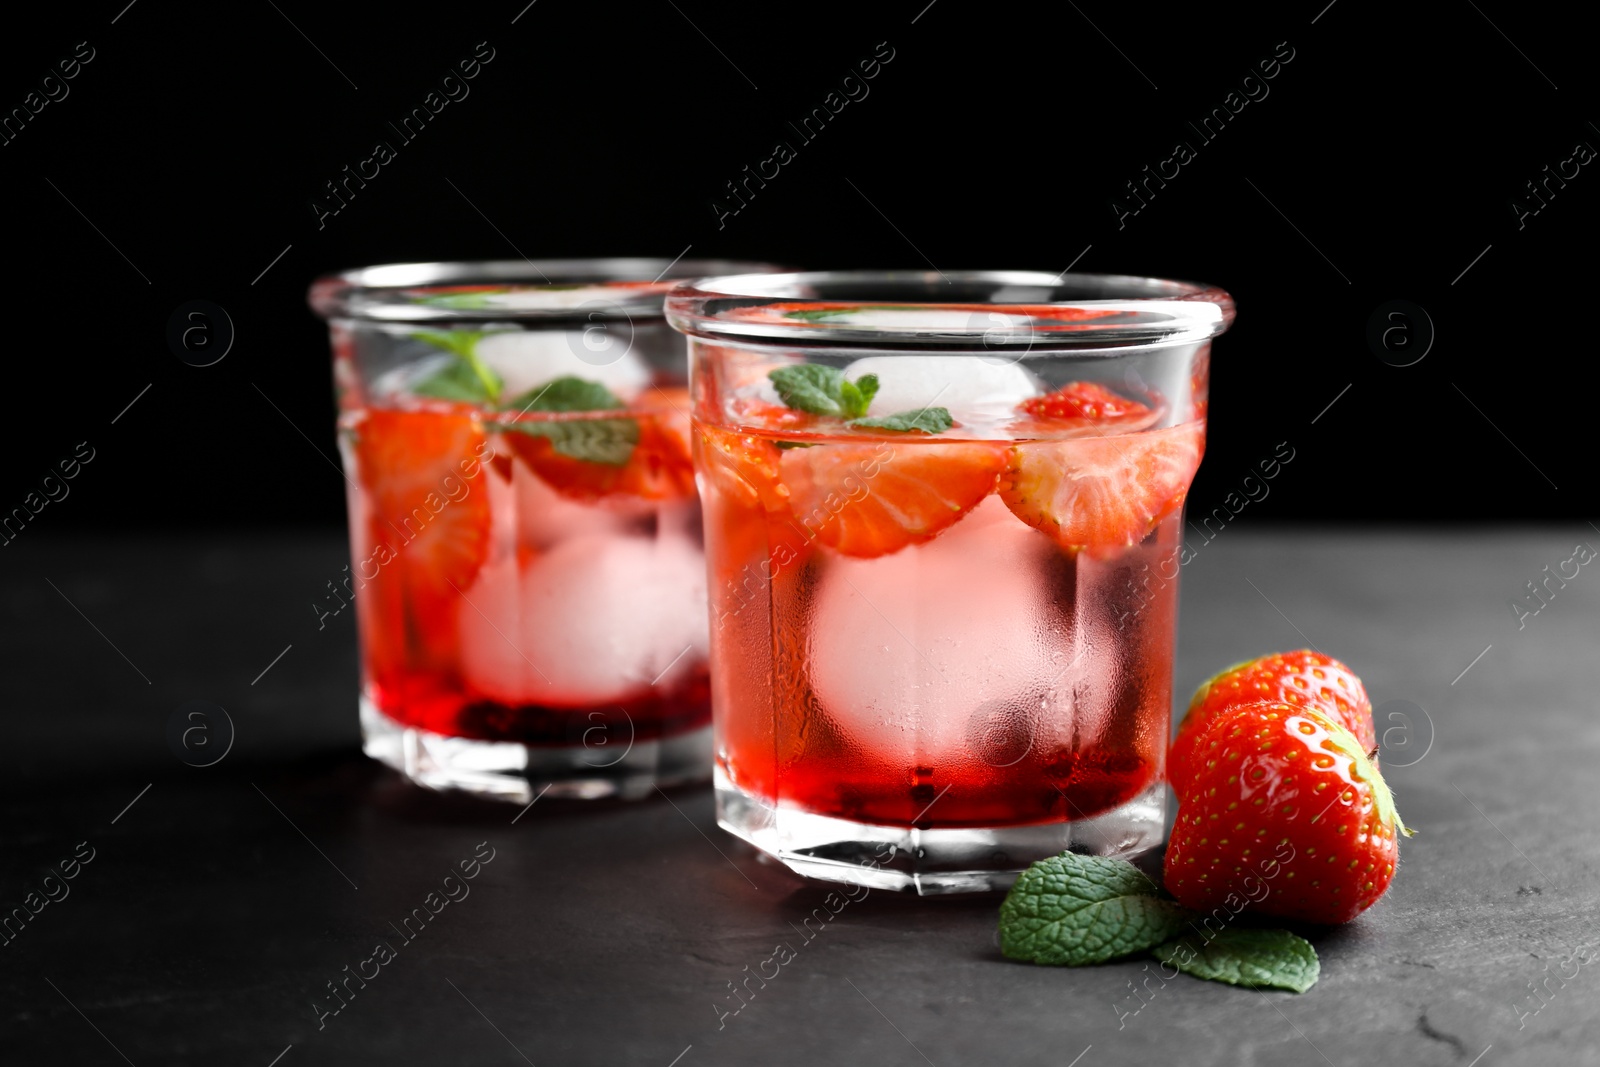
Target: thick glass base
[[508, 770], [970, 860]]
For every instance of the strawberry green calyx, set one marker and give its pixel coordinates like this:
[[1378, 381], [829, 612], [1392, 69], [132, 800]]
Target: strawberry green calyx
[[1365, 770]]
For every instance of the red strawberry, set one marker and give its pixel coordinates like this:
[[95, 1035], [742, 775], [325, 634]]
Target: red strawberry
[[1303, 678], [1102, 491], [427, 510], [755, 412], [1284, 816], [659, 467], [747, 515], [1086, 404], [873, 498]]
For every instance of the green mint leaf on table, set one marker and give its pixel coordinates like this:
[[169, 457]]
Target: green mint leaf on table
[[608, 441], [928, 420], [1271, 959], [1074, 910], [451, 383]]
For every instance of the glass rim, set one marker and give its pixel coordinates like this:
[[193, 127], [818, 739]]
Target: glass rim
[[1004, 309], [545, 291]]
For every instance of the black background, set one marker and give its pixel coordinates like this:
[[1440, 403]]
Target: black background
[[186, 156]]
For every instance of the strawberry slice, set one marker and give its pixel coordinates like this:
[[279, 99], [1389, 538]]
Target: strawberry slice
[[746, 509], [753, 411], [1102, 490], [659, 467], [1086, 403], [871, 499], [428, 515]]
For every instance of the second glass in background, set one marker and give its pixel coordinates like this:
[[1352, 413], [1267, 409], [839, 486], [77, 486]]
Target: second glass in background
[[525, 536]]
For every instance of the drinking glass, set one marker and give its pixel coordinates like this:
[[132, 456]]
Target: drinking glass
[[526, 554], [943, 515]]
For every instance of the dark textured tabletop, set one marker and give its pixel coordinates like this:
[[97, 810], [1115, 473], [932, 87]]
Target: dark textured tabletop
[[212, 906]]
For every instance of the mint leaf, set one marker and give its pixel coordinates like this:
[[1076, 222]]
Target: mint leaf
[[854, 397], [567, 394], [1271, 959], [809, 387], [456, 342], [608, 441], [1073, 910], [456, 380], [868, 384], [463, 344], [851, 402], [928, 420], [823, 390]]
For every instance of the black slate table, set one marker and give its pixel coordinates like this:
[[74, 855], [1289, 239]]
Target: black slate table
[[218, 903]]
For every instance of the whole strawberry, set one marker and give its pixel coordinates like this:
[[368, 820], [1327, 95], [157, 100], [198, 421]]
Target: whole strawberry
[[1284, 815], [1303, 678]]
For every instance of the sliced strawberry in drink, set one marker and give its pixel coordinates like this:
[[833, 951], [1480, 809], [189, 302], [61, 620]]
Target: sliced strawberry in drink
[[429, 512], [658, 467], [874, 498], [1086, 403], [1102, 491], [747, 504], [754, 411]]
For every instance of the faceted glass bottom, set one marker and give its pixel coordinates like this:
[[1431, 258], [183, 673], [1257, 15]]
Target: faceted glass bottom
[[519, 773], [927, 862]]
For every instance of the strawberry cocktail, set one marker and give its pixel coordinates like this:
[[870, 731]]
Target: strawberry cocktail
[[526, 551], [942, 521]]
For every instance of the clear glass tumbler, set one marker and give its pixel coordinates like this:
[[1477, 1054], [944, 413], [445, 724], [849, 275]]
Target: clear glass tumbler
[[942, 523], [527, 561]]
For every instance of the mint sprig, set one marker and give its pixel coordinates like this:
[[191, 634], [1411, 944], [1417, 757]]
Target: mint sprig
[[1257, 959], [567, 393], [1073, 911], [607, 441], [470, 380], [456, 380], [928, 420], [822, 390]]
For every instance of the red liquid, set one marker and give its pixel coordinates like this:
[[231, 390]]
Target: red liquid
[[509, 593], [983, 677]]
